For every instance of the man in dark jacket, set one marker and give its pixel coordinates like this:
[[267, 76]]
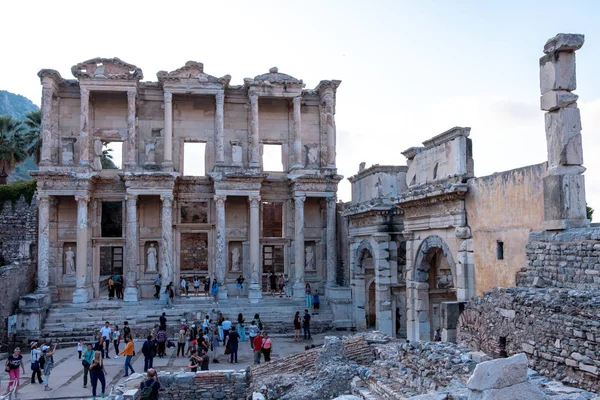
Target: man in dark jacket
[[149, 352], [306, 325]]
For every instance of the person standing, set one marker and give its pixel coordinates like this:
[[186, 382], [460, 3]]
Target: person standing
[[171, 294], [306, 325], [258, 322], [252, 332], [273, 282], [257, 348], [157, 283], [226, 328], [116, 337], [184, 288], [151, 385], [215, 292], [207, 288], [308, 295], [287, 286], [280, 285], [241, 329], [220, 320], [316, 302], [161, 339], [240, 285], [48, 365], [163, 321], [205, 360], [99, 345], [181, 343], [297, 326], [111, 288], [196, 286], [106, 333], [118, 285], [36, 363], [128, 353], [149, 352], [194, 361], [80, 347], [13, 363], [233, 342], [267, 347], [97, 372], [126, 330], [214, 344], [88, 357]]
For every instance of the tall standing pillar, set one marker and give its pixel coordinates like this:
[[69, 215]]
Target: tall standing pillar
[[130, 160], [84, 125], [331, 242], [254, 132], [43, 270], [46, 151], [81, 294], [131, 250], [219, 140], [166, 246], [297, 124], [299, 288], [255, 291], [220, 246], [168, 131]]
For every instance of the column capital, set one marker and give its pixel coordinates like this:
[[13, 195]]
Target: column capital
[[220, 199], [331, 199], [131, 95], [327, 99], [220, 96], [299, 198], [166, 197], [253, 98], [84, 91], [168, 97], [82, 199], [133, 197], [42, 197], [254, 200], [297, 101]]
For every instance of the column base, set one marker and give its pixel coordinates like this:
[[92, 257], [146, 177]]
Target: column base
[[254, 293], [299, 290], [131, 294], [167, 165], [81, 295], [222, 292], [253, 164]]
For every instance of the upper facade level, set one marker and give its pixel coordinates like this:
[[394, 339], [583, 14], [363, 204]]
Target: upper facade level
[[188, 122]]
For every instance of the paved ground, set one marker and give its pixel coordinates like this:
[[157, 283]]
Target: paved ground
[[67, 376]]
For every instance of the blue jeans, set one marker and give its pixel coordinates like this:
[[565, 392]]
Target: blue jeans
[[233, 347], [128, 365], [242, 332], [308, 300]]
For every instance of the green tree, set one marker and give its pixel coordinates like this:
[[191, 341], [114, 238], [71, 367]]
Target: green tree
[[106, 157], [13, 147], [33, 136], [590, 211]]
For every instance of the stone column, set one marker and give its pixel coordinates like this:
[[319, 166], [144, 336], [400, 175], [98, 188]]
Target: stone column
[[84, 124], [46, 151], [166, 247], [331, 242], [299, 288], [81, 294], [43, 269], [564, 186], [330, 141], [131, 250], [168, 132], [255, 291], [254, 153], [297, 115], [130, 160], [220, 246], [219, 141]]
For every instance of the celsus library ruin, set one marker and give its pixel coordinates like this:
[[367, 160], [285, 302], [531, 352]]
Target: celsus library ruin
[[468, 281]]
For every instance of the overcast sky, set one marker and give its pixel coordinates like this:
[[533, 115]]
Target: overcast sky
[[409, 69]]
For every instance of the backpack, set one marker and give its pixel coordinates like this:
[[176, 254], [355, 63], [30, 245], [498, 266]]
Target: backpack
[[147, 392]]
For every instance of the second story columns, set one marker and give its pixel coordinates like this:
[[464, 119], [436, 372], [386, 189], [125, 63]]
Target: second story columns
[[168, 132]]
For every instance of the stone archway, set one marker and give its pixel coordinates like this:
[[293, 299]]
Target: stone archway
[[433, 282], [371, 309]]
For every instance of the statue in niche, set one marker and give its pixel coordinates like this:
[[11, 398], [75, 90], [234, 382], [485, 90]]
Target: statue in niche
[[69, 261], [444, 279], [151, 263], [379, 188], [236, 153], [312, 153], [309, 259], [150, 151], [235, 259]]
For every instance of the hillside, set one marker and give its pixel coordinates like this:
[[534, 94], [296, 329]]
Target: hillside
[[17, 106]]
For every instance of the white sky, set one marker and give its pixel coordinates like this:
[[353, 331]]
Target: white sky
[[409, 69]]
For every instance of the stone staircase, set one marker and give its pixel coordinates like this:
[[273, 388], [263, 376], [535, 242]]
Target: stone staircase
[[66, 322]]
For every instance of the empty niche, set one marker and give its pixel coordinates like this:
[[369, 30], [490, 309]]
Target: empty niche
[[112, 219], [194, 251]]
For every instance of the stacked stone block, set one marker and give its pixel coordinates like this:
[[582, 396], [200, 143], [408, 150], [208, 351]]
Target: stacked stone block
[[225, 385]]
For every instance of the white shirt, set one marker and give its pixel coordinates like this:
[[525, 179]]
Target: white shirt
[[183, 283], [226, 325], [105, 332]]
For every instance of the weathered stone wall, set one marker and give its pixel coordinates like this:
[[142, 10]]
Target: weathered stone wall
[[503, 207], [225, 385], [558, 329], [563, 259]]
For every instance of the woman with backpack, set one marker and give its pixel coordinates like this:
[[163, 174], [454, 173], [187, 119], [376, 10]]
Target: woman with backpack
[[97, 372], [36, 362]]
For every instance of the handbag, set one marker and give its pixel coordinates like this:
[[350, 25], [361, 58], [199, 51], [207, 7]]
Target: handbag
[[85, 364]]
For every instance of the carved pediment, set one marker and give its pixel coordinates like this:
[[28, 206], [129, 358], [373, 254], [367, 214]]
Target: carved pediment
[[275, 77], [107, 68], [193, 71]]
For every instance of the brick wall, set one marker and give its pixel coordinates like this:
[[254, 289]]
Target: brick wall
[[226, 385]]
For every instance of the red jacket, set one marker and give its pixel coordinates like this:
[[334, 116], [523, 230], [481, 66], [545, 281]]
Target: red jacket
[[258, 342]]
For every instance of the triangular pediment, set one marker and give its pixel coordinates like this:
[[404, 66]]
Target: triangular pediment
[[106, 68], [192, 71]]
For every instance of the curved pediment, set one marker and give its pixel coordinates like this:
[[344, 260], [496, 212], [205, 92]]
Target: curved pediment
[[276, 77], [191, 71], [106, 68]]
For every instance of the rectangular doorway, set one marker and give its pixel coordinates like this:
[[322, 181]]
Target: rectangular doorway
[[111, 260], [272, 260]]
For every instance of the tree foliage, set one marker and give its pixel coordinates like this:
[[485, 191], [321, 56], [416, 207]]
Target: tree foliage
[[13, 145]]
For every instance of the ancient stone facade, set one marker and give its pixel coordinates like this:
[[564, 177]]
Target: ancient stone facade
[[145, 214], [226, 385]]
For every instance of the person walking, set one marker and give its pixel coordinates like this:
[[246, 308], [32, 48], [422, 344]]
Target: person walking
[[149, 352], [184, 288], [240, 285], [118, 285], [99, 345], [205, 360], [287, 285], [257, 348], [220, 320], [258, 322], [88, 357], [306, 325], [316, 302], [194, 361], [106, 333], [196, 286], [297, 326], [36, 362], [308, 295], [97, 373], [126, 330], [111, 288], [161, 339], [116, 338], [48, 355], [128, 353], [233, 342], [172, 294], [214, 344], [252, 332], [267, 346], [241, 329], [80, 347], [215, 292], [181, 342], [226, 328], [207, 288], [157, 283], [280, 285], [13, 363], [162, 320]]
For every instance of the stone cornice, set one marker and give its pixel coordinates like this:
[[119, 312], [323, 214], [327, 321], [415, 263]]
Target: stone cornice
[[364, 210], [447, 136], [378, 168], [430, 194]]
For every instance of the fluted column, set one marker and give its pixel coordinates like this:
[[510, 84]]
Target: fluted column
[[81, 294], [254, 132], [330, 141], [297, 123], [255, 281], [299, 247], [331, 242], [219, 141], [168, 131], [84, 124], [166, 246], [43, 268], [130, 160], [220, 255], [131, 250], [46, 151]]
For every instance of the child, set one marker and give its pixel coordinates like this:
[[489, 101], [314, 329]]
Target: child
[[80, 347]]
